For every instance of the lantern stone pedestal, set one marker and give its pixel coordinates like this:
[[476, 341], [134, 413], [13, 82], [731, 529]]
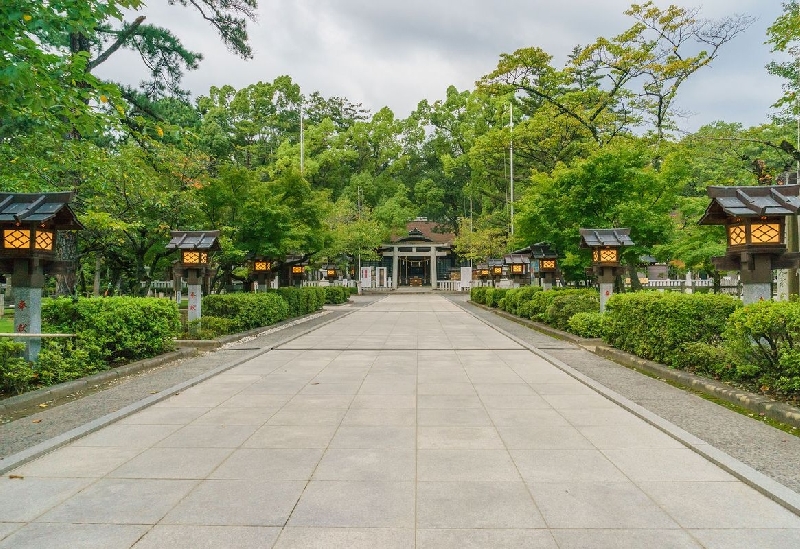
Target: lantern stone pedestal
[[28, 281]]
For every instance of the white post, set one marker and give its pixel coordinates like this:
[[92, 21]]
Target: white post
[[434, 274]]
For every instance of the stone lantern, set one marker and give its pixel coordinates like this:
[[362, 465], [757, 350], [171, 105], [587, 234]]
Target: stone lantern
[[194, 247], [547, 264], [606, 246], [29, 224], [495, 270], [517, 266], [261, 270], [755, 224], [482, 272]]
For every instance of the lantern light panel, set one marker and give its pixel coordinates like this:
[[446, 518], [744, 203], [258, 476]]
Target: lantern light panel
[[261, 266], [517, 269], [547, 264], [297, 269]]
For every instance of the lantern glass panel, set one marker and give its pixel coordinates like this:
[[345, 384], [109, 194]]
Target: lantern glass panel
[[297, 270], [203, 257], [516, 269], [261, 266], [497, 270], [737, 235], [191, 258], [331, 272], [609, 256], [547, 264], [484, 272], [16, 239], [765, 233], [44, 240]]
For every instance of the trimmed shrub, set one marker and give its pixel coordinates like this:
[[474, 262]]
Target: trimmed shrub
[[336, 294], [494, 295], [209, 327], [64, 360], [246, 311], [656, 325], [764, 337], [477, 294], [16, 374], [567, 304], [537, 306], [515, 297], [303, 300], [587, 324], [115, 330], [706, 359]]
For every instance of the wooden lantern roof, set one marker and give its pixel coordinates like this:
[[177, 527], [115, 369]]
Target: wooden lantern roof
[[515, 259], [602, 238], [194, 240], [542, 250], [761, 201], [51, 209]]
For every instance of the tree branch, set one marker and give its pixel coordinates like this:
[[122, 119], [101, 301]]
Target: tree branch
[[122, 37]]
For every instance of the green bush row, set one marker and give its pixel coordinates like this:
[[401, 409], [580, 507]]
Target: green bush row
[[108, 332], [114, 330], [655, 325], [302, 301], [236, 312], [336, 294]]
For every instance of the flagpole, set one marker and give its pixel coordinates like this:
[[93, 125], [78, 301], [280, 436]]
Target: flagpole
[[511, 163]]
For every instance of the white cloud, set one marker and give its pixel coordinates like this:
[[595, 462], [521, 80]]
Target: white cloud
[[396, 53]]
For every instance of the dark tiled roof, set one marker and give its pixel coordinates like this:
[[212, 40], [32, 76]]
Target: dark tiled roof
[[425, 231], [193, 240], [37, 208], [593, 238], [765, 200], [511, 259]]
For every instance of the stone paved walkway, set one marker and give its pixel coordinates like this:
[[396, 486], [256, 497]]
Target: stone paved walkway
[[408, 423]]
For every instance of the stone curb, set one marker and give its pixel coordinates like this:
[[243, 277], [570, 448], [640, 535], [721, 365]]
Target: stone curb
[[758, 404]]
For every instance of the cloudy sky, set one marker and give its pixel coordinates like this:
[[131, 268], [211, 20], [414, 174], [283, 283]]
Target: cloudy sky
[[396, 53]]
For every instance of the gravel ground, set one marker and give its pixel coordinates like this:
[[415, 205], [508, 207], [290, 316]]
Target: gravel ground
[[764, 448], [57, 418]]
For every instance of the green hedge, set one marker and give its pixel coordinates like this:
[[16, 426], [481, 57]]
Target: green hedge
[[336, 294], [494, 296], [656, 325], [764, 340], [477, 294], [114, 330], [568, 303], [586, 324], [303, 301], [245, 311], [539, 303], [16, 375], [514, 298]]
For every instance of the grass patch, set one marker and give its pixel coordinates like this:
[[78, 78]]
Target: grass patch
[[7, 323]]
